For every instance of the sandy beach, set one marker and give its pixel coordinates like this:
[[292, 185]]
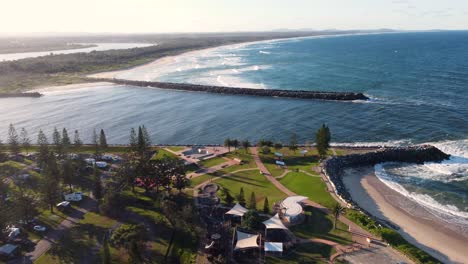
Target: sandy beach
[[416, 224]]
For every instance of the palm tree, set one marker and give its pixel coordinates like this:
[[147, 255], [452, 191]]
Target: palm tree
[[337, 210]]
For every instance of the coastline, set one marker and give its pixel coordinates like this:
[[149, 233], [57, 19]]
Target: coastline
[[416, 224], [164, 61]]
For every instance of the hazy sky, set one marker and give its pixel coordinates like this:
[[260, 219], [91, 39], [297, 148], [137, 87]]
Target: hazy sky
[[228, 15]]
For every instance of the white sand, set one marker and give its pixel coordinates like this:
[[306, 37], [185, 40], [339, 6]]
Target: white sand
[[420, 227]]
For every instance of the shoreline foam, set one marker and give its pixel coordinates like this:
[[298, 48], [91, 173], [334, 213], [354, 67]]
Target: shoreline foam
[[416, 224]]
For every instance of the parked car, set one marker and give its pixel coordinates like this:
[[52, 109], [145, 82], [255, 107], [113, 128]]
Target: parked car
[[39, 228]]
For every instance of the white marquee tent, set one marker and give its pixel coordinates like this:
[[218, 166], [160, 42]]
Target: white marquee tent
[[274, 223], [238, 210], [245, 241]]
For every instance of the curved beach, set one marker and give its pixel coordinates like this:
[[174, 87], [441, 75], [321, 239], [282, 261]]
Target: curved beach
[[446, 242]]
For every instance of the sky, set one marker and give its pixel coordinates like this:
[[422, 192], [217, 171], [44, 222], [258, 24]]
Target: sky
[[140, 16]]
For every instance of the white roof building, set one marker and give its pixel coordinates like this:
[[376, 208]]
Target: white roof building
[[292, 207], [273, 247]]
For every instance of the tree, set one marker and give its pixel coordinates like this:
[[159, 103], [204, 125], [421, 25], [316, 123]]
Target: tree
[[50, 186], [251, 220], [322, 140], [106, 257], [266, 150], [66, 142], [241, 197], [134, 252], [245, 144], [57, 140], [97, 191], [253, 202], [179, 177], [25, 140], [25, 205], [227, 196], [228, 144], [146, 137], [266, 206], [102, 140], [127, 172], [133, 140], [337, 210], [278, 146], [293, 142], [95, 142], [68, 173], [77, 143], [43, 148], [13, 141], [235, 144]]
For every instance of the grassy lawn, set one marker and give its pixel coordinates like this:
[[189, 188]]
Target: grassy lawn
[[191, 168], [200, 179], [318, 224], [252, 181], [305, 253], [293, 160], [52, 220], [164, 153], [212, 162], [176, 148], [91, 218], [312, 187]]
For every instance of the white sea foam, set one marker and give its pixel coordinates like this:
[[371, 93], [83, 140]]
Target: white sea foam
[[264, 52], [453, 170]]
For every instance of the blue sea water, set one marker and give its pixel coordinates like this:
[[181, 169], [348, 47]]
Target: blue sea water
[[418, 83]]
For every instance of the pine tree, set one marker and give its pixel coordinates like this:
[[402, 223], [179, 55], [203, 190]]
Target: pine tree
[[57, 140], [235, 144], [227, 196], [103, 140], [322, 140], [43, 148], [293, 142], [66, 142], [77, 143], [146, 137], [106, 257], [133, 139], [50, 183], [253, 202], [95, 142], [67, 173], [97, 192], [245, 144], [228, 144], [25, 140], [241, 197], [13, 141], [266, 206]]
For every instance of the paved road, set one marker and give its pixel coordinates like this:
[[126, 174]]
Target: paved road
[[54, 235]]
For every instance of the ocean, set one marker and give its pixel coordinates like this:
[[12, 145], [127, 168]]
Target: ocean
[[418, 83]]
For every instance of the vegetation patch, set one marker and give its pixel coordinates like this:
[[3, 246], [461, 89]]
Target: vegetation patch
[[312, 187]]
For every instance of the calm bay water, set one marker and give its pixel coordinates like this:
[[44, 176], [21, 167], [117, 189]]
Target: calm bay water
[[418, 82]]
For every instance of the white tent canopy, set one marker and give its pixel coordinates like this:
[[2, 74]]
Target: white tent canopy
[[273, 247], [238, 210], [245, 240], [274, 223]]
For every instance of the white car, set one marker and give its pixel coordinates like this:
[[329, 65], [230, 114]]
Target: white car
[[39, 228]]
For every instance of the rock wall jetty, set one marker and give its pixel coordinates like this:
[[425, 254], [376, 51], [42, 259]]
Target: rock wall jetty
[[333, 167], [300, 94], [10, 95]]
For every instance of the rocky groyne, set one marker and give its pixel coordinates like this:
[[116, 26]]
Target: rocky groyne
[[300, 94], [333, 167], [10, 95]]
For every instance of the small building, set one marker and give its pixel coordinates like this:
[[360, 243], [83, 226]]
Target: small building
[[8, 250], [292, 208], [274, 248]]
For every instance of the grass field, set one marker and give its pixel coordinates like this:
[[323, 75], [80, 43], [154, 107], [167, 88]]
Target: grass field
[[164, 153], [200, 179], [312, 187], [305, 253], [212, 162], [318, 224], [293, 160], [252, 181], [176, 148]]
